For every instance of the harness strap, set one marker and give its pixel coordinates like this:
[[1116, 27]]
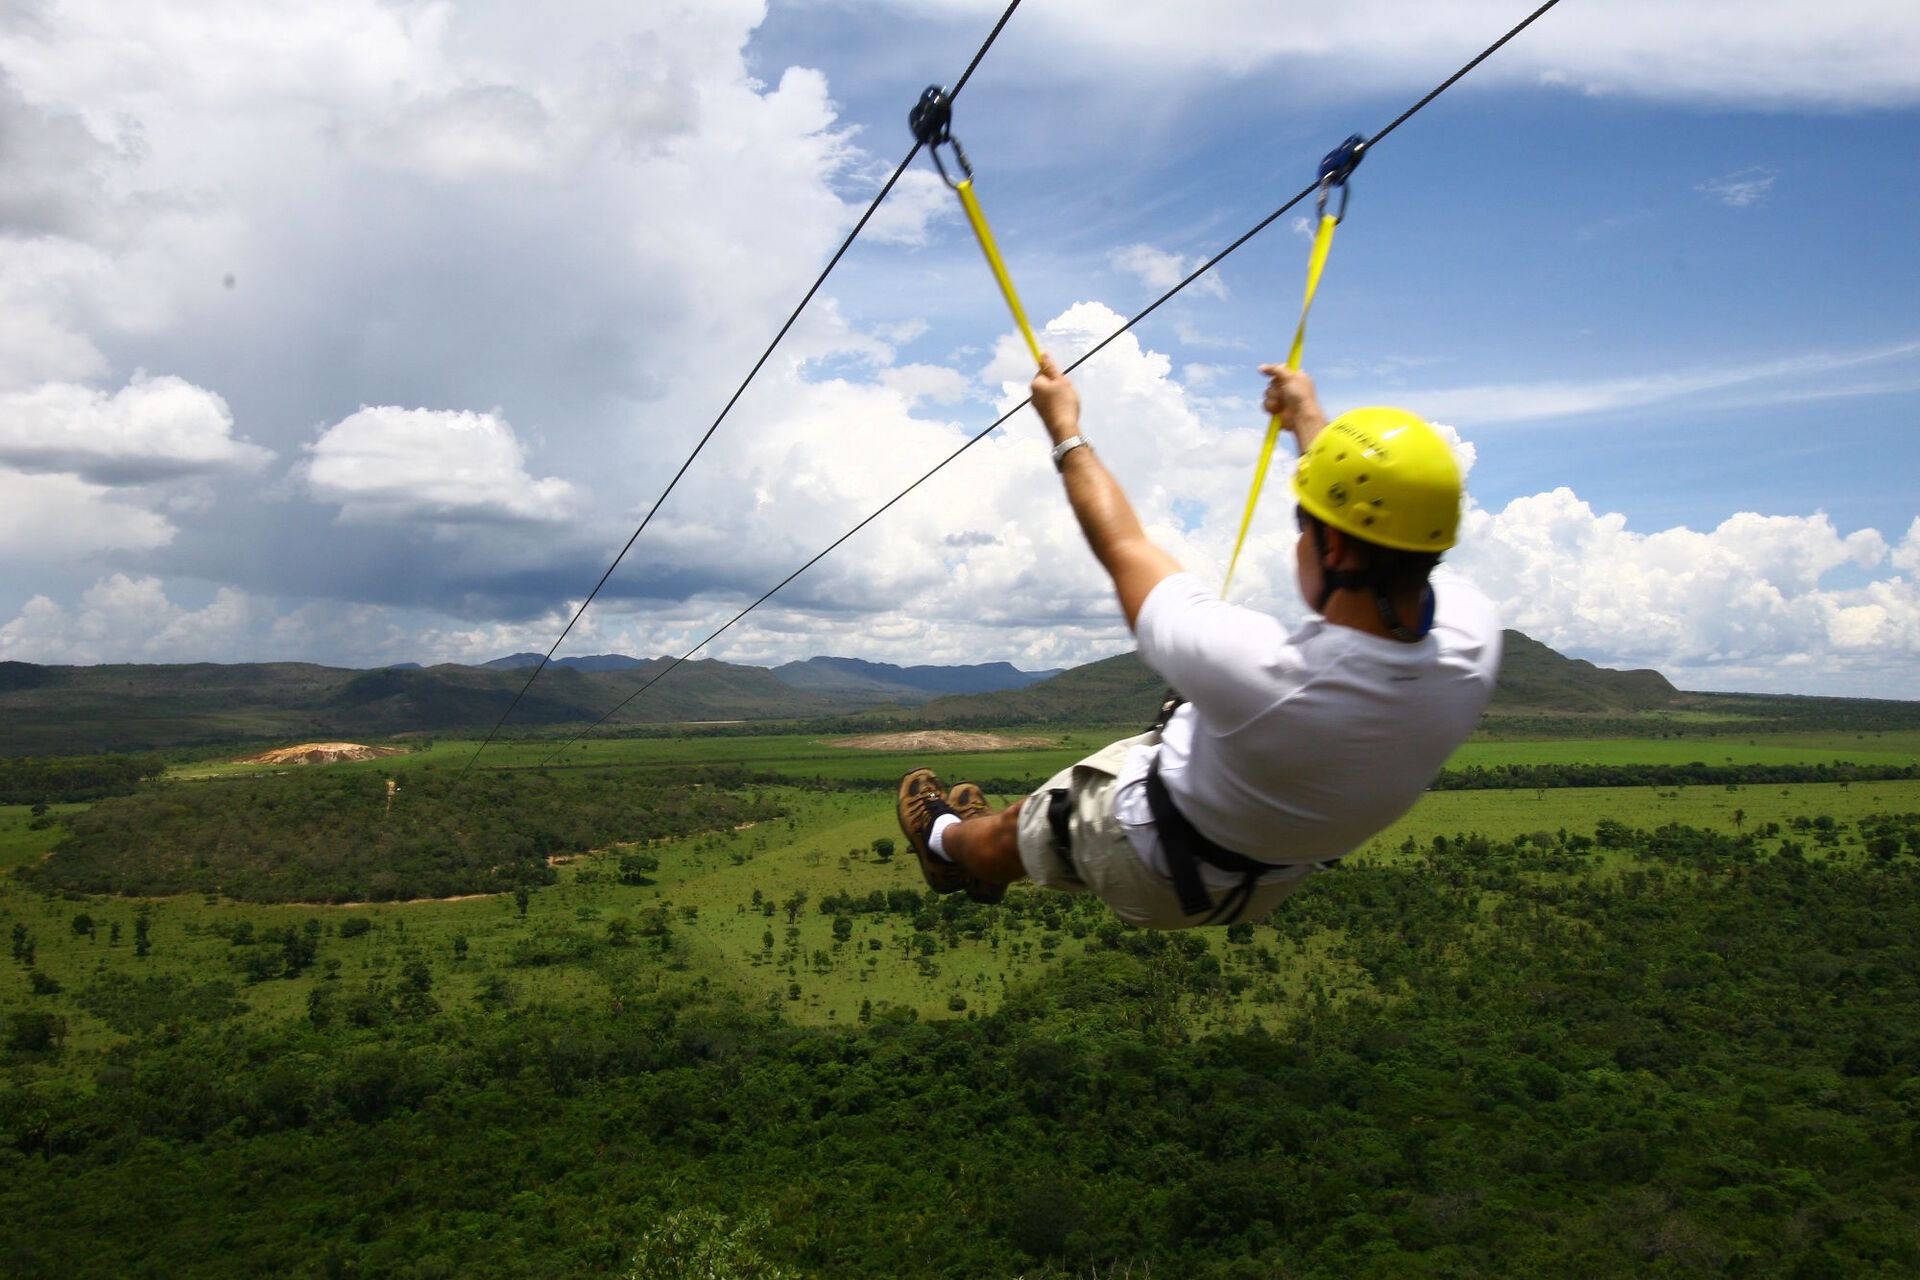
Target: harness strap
[[984, 234], [1316, 262], [1186, 849], [1059, 815], [1332, 580], [931, 121]]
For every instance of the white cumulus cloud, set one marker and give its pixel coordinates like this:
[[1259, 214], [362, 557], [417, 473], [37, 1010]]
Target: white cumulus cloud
[[1159, 269], [59, 518], [985, 557], [124, 618], [40, 337], [1716, 605], [455, 467], [242, 51], [54, 164], [472, 131], [151, 429], [1906, 556], [917, 201]]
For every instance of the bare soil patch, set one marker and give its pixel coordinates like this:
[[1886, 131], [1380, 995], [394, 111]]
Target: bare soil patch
[[940, 740], [397, 902], [322, 753]]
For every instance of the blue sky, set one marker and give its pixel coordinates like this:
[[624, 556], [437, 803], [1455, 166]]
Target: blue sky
[[361, 333]]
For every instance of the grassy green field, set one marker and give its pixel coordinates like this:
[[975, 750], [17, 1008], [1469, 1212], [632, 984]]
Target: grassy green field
[[1779, 748], [719, 931], [794, 755], [1503, 815], [723, 896], [822, 756]]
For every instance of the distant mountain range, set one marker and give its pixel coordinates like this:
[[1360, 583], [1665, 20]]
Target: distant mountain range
[[851, 680], [597, 662], [907, 686], [47, 710], [1534, 676]]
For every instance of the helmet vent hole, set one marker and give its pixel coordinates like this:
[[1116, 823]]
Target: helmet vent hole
[[1366, 519], [1361, 478]]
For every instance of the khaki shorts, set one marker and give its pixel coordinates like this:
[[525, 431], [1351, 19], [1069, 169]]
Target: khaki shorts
[[1104, 859]]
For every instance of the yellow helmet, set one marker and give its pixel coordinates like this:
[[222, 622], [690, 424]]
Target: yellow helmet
[[1383, 476]]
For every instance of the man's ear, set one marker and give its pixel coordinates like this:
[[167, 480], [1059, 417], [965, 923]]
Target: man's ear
[[1345, 552], [1333, 547]]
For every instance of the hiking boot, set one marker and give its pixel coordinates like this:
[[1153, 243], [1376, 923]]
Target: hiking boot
[[919, 804], [969, 801]]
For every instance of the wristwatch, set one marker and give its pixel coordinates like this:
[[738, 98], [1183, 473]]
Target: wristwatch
[[1065, 447]]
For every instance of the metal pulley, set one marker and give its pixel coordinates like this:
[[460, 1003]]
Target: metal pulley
[[1336, 167], [931, 121]]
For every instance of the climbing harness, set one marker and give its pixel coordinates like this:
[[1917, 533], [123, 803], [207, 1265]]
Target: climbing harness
[[932, 123], [1335, 168], [1184, 847]]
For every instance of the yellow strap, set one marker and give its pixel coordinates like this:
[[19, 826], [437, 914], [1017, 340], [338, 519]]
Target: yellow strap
[[1322, 242], [985, 236]]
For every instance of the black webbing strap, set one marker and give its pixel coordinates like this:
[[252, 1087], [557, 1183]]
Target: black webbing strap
[[1186, 849], [1370, 580], [1059, 814]]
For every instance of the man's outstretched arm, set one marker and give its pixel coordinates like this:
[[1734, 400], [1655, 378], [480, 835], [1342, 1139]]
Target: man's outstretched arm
[[1113, 531]]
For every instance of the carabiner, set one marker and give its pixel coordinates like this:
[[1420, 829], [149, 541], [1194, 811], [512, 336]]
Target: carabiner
[[931, 121], [1326, 184], [1336, 167]]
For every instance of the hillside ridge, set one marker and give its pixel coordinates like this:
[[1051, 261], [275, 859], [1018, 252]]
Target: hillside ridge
[[60, 710], [884, 682]]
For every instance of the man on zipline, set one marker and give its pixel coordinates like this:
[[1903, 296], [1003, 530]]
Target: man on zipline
[[1289, 750]]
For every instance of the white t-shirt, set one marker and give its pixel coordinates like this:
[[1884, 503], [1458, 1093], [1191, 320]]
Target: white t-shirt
[[1293, 749]]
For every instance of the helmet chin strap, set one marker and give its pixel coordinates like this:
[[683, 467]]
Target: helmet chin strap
[[1333, 580]]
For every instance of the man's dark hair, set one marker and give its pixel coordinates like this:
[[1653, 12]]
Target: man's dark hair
[[1388, 572]]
